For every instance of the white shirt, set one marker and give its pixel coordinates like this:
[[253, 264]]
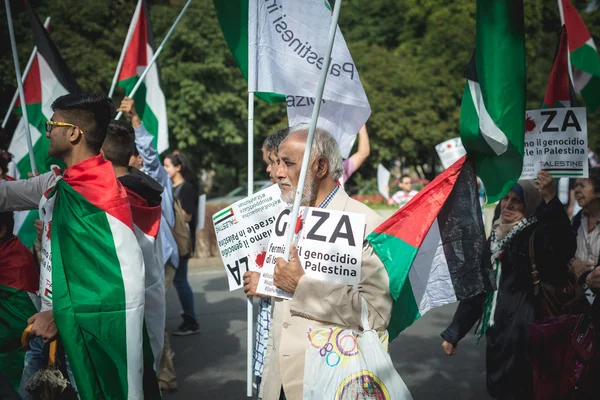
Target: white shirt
[[401, 197], [588, 247]]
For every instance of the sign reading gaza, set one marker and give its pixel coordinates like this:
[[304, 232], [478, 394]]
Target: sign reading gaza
[[329, 247], [556, 141], [243, 231]]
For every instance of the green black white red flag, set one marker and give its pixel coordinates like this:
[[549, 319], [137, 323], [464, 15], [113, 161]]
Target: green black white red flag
[[560, 91], [98, 285], [492, 119], [583, 56], [48, 79], [149, 99], [434, 248]]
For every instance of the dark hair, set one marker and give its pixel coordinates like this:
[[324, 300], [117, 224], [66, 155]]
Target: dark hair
[[7, 219], [91, 112], [594, 176], [5, 158], [405, 176], [119, 143], [273, 141], [187, 171]]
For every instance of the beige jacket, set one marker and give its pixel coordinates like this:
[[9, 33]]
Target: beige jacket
[[317, 303]]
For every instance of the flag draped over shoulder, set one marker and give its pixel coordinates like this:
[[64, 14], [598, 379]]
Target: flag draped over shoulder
[[19, 281], [492, 120], [583, 56], [559, 92], [233, 19], [98, 285], [434, 248], [150, 100], [48, 79]]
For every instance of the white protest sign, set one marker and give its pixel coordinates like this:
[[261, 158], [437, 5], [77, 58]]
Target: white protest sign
[[450, 151], [201, 212], [243, 231], [329, 244], [556, 141], [383, 181]]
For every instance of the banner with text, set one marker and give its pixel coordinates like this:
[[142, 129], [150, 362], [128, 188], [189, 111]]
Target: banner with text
[[383, 181], [290, 49], [556, 141], [329, 244], [243, 232]]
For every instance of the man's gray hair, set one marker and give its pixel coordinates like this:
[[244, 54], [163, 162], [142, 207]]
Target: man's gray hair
[[324, 145], [273, 141]]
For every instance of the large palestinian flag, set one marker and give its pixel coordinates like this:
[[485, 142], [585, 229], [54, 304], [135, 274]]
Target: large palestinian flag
[[146, 224], [98, 296], [149, 99], [560, 91], [434, 248], [19, 281], [492, 118], [48, 79], [583, 55]]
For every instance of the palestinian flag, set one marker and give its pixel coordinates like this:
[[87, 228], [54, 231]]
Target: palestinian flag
[[233, 18], [492, 119], [19, 281], [560, 92], [434, 248], [583, 56], [146, 224], [98, 296], [48, 79], [149, 99]]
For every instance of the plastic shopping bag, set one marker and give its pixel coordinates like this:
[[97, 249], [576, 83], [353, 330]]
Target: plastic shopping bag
[[343, 364]]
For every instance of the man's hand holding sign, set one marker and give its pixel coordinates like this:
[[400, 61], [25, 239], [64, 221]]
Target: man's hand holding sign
[[288, 273]]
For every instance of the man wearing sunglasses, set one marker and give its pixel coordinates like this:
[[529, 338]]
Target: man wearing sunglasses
[[76, 133]]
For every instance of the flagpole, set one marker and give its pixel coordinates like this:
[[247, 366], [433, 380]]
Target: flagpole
[[113, 85], [313, 126], [252, 86], [13, 45], [562, 23], [25, 73], [156, 54]]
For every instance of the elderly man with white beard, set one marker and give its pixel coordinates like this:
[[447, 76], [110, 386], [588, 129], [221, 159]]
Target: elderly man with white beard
[[315, 303]]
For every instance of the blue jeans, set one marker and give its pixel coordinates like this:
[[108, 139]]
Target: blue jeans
[[36, 358], [184, 290]]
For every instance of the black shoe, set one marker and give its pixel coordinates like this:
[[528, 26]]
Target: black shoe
[[187, 328]]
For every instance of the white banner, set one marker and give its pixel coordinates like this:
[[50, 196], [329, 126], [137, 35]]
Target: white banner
[[383, 181], [291, 41], [243, 232], [556, 141], [450, 151], [329, 244], [201, 212]]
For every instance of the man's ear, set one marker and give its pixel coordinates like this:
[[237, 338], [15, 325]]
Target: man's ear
[[322, 168], [74, 135]]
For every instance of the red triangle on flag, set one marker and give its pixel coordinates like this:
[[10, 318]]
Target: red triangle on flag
[[137, 51], [32, 85], [578, 32]]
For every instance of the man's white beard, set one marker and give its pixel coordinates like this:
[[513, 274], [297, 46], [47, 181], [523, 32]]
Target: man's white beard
[[309, 194]]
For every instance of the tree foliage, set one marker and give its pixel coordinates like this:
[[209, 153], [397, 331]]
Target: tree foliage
[[411, 55]]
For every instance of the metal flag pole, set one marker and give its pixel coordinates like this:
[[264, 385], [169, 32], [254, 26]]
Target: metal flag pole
[[252, 86], [313, 126], [25, 72], [13, 45], [156, 54], [113, 85]]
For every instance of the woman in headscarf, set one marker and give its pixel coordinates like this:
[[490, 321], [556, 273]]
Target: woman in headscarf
[[530, 208]]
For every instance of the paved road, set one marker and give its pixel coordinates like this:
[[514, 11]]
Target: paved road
[[212, 365]]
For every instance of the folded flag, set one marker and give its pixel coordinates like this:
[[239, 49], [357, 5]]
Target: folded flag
[[19, 282], [583, 56], [48, 79], [98, 285], [150, 100], [434, 248], [560, 91], [492, 116]]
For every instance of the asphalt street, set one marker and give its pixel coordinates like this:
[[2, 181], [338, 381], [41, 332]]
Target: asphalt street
[[212, 365]]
